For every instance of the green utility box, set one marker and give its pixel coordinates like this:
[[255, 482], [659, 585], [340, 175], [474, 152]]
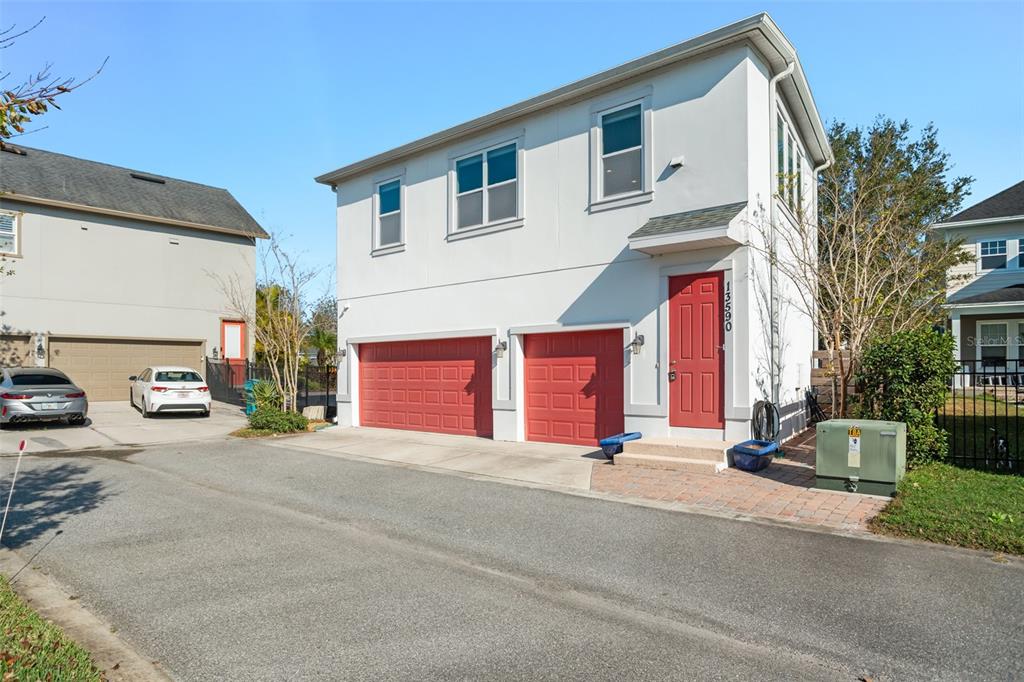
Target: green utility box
[[861, 455]]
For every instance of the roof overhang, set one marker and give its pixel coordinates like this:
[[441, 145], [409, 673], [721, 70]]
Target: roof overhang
[[24, 198], [727, 231], [978, 223], [760, 31]]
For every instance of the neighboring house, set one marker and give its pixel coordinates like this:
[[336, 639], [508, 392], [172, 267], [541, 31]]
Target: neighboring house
[[114, 269], [576, 264], [986, 296]]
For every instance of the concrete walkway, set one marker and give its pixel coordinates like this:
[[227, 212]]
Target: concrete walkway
[[562, 466], [116, 423]]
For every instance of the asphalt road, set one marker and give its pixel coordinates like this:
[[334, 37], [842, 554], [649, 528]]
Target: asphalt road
[[234, 560]]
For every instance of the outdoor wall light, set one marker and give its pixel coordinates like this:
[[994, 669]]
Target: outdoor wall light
[[499, 350], [637, 343], [341, 354]]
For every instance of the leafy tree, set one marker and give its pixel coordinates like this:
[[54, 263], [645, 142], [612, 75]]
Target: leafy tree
[[324, 336], [868, 264], [905, 376]]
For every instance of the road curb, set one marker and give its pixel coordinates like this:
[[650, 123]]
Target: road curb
[[111, 654]]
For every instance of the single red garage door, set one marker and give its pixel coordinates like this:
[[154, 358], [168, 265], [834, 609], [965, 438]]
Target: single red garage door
[[574, 386], [441, 385]]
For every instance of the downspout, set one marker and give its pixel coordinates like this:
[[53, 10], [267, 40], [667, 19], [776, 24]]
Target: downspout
[[772, 146]]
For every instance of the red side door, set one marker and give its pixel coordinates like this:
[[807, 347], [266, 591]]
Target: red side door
[[440, 385], [695, 351], [573, 386]]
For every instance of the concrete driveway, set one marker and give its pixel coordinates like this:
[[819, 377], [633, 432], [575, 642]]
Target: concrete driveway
[[561, 466], [237, 560], [118, 423]]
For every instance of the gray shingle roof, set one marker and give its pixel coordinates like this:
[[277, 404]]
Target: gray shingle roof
[[715, 216], [58, 177], [1009, 202], [1010, 294]]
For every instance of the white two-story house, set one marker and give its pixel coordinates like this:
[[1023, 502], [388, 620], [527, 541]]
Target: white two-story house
[[580, 264], [986, 296]]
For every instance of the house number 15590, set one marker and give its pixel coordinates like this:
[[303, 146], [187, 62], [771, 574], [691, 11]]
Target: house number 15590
[[727, 316]]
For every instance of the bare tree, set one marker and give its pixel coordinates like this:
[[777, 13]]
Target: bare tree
[[868, 264], [278, 311]]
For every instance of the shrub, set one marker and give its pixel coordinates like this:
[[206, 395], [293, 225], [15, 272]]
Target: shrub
[[272, 419], [904, 377], [265, 394]]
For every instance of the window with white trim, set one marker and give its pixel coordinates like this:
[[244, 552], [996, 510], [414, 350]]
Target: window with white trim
[[487, 186], [993, 254], [8, 233], [389, 230], [789, 165], [622, 151], [992, 344]]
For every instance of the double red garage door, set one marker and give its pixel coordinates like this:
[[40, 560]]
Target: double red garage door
[[572, 383], [442, 386]]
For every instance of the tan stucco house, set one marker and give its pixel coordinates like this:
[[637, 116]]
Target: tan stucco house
[[116, 269]]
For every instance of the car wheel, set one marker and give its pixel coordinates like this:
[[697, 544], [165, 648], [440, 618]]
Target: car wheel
[[131, 397], [205, 414], [145, 412]]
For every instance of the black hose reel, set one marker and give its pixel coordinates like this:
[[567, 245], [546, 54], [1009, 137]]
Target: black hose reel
[[765, 423]]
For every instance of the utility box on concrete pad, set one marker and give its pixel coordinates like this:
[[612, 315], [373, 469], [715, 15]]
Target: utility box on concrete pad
[[861, 455]]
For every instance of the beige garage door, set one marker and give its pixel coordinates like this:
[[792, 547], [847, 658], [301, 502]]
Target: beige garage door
[[16, 351], [102, 366]]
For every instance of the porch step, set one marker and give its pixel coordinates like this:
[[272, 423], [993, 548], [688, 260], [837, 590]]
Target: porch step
[[680, 448], [671, 462]]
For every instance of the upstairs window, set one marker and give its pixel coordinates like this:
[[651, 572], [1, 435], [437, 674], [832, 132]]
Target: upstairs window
[[8, 233], [390, 229], [487, 187], [622, 152], [993, 255], [789, 166]]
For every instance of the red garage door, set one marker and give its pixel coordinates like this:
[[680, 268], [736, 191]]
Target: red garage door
[[442, 385], [573, 386]]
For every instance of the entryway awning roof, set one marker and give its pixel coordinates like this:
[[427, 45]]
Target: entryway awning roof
[[699, 228]]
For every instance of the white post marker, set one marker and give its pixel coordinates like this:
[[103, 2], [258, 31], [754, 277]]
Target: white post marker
[[3, 524]]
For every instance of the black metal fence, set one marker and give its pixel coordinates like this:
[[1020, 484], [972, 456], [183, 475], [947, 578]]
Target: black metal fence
[[317, 385], [983, 415]]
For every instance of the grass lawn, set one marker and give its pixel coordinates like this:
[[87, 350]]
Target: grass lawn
[[943, 503], [34, 649]]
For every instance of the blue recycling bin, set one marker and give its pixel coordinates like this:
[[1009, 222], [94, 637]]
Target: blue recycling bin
[[250, 399], [612, 445], [754, 455]]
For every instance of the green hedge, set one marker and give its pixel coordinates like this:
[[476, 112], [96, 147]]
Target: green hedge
[[271, 419], [904, 377]]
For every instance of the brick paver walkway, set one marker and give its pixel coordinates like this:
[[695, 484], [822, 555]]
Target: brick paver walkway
[[781, 492]]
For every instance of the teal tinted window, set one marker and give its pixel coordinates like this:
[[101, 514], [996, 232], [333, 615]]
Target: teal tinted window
[[621, 130], [501, 164], [470, 173], [390, 197]]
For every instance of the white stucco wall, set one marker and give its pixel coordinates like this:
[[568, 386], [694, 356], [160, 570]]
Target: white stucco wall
[[569, 265], [85, 274]]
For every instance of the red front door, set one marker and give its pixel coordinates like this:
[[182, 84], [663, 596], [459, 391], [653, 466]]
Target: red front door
[[573, 386], [695, 356]]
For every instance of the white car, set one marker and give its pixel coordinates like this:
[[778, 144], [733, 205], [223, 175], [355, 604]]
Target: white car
[[169, 389]]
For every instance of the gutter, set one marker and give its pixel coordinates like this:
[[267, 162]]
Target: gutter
[[773, 183], [979, 222], [13, 196]]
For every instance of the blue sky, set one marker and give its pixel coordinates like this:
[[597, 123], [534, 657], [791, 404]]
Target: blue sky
[[259, 97]]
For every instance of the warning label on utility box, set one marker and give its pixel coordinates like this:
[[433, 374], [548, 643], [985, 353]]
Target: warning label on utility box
[[853, 451]]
